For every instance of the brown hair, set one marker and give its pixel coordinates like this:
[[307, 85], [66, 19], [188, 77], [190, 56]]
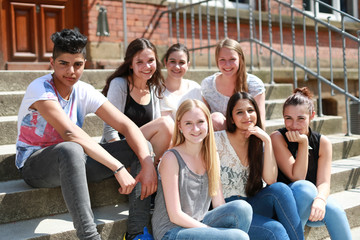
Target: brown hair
[[241, 83], [255, 149], [125, 71], [300, 96], [208, 150]]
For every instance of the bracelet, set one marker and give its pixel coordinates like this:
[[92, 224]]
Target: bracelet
[[320, 198], [118, 170]]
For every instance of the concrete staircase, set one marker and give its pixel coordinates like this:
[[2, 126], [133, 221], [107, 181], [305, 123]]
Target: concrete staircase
[[28, 213]]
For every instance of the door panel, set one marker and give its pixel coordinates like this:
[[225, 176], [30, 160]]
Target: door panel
[[30, 24], [23, 23], [52, 20]]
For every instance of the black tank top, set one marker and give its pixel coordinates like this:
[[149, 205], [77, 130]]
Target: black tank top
[[139, 114], [314, 145]]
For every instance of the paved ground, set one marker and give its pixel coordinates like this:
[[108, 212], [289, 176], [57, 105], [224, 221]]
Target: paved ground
[[355, 234]]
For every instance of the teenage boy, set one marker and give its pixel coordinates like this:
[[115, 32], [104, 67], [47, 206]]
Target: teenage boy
[[52, 150]]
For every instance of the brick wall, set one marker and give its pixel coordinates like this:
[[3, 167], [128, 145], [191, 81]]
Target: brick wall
[[143, 20]]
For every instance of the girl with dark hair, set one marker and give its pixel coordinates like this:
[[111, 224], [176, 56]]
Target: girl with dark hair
[[178, 89], [247, 159], [189, 178], [304, 159], [135, 88], [219, 87]]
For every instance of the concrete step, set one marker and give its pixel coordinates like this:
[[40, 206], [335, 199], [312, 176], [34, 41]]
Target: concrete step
[[278, 91], [18, 201], [325, 125], [110, 220], [274, 108], [275, 94], [349, 201], [93, 125], [345, 174], [344, 146]]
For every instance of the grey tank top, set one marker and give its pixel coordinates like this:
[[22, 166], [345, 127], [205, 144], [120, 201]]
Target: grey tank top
[[194, 198]]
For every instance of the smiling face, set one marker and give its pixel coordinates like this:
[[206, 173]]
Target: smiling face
[[68, 69], [143, 65], [194, 125], [297, 118], [244, 115], [177, 64], [228, 61]]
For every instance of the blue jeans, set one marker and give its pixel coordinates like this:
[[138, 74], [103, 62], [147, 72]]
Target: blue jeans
[[335, 217], [66, 165], [228, 221], [275, 200]]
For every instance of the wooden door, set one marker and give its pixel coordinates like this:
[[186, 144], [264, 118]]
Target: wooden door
[[31, 23]]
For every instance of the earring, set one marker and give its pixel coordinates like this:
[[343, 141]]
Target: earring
[[181, 131]]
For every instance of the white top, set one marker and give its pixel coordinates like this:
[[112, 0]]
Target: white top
[[117, 95], [172, 101], [34, 132], [217, 101], [233, 174]]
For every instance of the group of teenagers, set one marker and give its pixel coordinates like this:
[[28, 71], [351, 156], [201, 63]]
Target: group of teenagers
[[201, 148]]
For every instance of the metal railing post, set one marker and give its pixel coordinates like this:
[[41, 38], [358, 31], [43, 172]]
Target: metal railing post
[[124, 25], [320, 112], [346, 88], [293, 42], [270, 42], [331, 65], [304, 33]]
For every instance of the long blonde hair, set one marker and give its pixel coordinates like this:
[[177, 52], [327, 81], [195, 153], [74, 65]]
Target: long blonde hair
[[208, 150], [241, 83]]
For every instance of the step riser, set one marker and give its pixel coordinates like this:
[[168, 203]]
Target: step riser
[[325, 127], [10, 102], [93, 125], [48, 201]]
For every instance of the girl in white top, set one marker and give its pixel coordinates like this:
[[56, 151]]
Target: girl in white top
[[178, 89], [219, 87]]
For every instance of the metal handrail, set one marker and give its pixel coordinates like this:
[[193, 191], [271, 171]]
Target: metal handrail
[[256, 28]]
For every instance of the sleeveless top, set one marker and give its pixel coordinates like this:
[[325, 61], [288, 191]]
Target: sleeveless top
[[138, 113], [234, 175], [194, 198], [314, 145]]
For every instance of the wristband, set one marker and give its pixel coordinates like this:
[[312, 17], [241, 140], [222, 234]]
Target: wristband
[[118, 170], [320, 198]]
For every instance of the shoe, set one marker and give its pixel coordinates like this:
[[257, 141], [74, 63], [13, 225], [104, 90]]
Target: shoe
[[145, 236]]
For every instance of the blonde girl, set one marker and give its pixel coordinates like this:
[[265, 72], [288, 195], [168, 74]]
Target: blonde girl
[[189, 179]]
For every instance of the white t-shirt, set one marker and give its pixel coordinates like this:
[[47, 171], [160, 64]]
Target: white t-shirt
[[171, 101], [34, 132], [217, 101]]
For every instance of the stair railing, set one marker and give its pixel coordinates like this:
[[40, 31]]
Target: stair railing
[[189, 9]]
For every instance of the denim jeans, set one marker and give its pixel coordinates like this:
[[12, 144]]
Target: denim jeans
[[66, 165], [275, 200], [335, 217], [228, 221]]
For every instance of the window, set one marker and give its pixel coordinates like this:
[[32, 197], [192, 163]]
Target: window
[[348, 6]]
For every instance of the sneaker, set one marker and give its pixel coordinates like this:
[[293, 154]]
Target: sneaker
[[145, 236]]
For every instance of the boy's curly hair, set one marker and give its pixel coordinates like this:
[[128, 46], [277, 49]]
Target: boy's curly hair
[[68, 41]]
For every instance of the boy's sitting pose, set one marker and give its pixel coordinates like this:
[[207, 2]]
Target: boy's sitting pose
[[52, 150]]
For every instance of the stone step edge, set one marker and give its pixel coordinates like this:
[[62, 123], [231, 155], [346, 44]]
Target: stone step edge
[[339, 166], [62, 224]]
